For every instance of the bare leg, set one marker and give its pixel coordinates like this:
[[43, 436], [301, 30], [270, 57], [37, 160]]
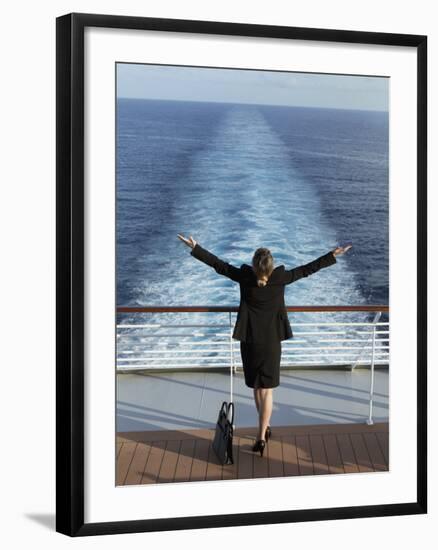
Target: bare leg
[[257, 398], [265, 411]]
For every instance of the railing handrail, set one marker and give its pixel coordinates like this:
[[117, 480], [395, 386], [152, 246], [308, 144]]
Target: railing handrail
[[224, 308]]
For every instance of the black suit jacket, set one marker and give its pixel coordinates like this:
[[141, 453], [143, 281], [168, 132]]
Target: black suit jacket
[[262, 315]]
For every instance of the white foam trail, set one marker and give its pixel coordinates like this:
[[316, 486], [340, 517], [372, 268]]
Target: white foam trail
[[243, 192]]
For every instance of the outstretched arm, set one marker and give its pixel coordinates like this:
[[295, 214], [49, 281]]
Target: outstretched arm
[[305, 270], [221, 267]]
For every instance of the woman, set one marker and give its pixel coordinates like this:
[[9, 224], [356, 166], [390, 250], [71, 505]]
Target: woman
[[262, 321]]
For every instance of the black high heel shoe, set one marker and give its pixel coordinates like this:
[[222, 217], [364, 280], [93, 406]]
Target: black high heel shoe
[[268, 433], [259, 445]]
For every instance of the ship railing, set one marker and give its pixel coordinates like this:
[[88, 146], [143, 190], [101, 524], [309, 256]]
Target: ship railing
[[165, 346], [185, 345]]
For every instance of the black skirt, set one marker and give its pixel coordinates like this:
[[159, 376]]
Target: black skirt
[[261, 364]]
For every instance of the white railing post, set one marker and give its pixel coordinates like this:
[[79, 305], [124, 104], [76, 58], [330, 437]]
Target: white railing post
[[231, 360], [370, 416]]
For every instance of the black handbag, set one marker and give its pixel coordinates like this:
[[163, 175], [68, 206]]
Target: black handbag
[[223, 437]]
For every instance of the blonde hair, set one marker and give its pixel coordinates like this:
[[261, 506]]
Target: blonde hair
[[263, 265]]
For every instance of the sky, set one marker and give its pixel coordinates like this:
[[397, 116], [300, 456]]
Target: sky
[[252, 86]]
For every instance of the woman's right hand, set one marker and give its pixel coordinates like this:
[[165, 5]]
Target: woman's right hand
[[189, 242]]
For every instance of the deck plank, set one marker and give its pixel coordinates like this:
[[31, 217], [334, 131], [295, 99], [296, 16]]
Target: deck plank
[[333, 454], [168, 463], [124, 461], [360, 450], [293, 451], [347, 453], [246, 458], [319, 456], [304, 453], [153, 463], [290, 456], [200, 456], [383, 439], [185, 460], [275, 458], [375, 451], [138, 463]]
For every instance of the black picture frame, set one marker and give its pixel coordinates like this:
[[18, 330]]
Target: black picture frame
[[70, 272]]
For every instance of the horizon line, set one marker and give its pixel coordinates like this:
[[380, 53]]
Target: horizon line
[[258, 104]]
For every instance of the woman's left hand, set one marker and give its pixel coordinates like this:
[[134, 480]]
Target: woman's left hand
[[341, 249], [189, 242]]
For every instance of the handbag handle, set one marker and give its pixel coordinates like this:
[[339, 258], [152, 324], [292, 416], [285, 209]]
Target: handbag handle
[[224, 408], [230, 406]]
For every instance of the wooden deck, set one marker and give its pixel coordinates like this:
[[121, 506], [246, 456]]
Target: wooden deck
[[174, 456]]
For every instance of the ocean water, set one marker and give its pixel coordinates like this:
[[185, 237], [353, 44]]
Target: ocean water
[[236, 177]]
